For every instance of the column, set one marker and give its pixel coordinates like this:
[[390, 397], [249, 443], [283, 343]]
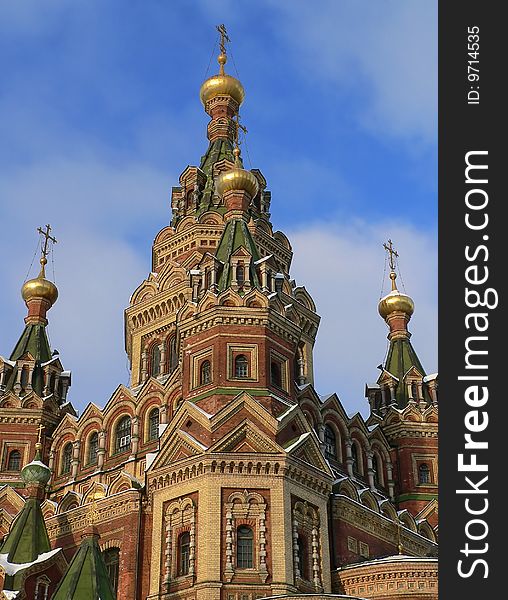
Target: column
[[349, 457], [75, 458], [101, 450], [135, 436], [370, 471]]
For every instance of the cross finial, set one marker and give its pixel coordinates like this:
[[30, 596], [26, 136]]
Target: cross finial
[[39, 434], [239, 127], [392, 252], [223, 37], [45, 233]]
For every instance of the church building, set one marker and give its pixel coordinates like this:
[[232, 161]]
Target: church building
[[218, 473]]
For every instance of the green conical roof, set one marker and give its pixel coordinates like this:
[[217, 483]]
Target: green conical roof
[[87, 577], [400, 359], [28, 537], [236, 235]]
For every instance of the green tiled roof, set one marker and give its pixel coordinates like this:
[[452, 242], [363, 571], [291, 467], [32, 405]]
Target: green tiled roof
[[87, 577], [400, 359], [236, 235]]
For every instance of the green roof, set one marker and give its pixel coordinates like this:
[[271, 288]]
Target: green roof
[[400, 359], [87, 577], [34, 341], [236, 235]]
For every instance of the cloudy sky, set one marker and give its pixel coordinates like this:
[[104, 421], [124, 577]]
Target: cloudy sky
[[99, 114]]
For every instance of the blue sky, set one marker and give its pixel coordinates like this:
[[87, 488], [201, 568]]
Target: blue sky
[[99, 114]]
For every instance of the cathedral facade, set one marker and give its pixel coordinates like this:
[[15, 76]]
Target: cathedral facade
[[218, 473]]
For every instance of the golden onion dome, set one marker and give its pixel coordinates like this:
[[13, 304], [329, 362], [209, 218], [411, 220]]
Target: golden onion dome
[[222, 85], [237, 179], [395, 301], [40, 287]]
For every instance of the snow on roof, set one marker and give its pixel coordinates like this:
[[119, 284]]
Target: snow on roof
[[13, 568], [389, 559], [431, 377], [262, 260]]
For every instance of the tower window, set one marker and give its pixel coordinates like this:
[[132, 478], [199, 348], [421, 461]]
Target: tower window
[[123, 434], [354, 456], [205, 372], [42, 588], [14, 461], [303, 557], [276, 373], [171, 350], [244, 547], [240, 273], [93, 446], [155, 361], [330, 444], [112, 562], [241, 366], [375, 469], [423, 473], [66, 459], [153, 424], [184, 553]]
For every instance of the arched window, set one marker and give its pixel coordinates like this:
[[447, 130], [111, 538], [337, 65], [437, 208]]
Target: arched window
[[155, 360], [24, 377], [244, 547], [93, 446], [303, 557], [123, 434], [172, 360], [375, 469], [42, 588], [241, 366], [153, 424], [66, 459], [205, 372], [208, 278], [330, 445], [112, 562], [354, 456], [184, 553], [275, 373], [414, 391], [240, 273], [423, 473], [14, 461]]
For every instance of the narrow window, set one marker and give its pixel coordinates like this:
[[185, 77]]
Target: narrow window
[[375, 469], [67, 459], [184, 553], [42, 588], [241, 366], [14, 461], [303, 558], [424, 473], [123, 434], [205, 373], [153, 424], [93, 446], [112, 562], [244, 548], [330, 445], [155, 361], [354, 456], [240, 273], [276, 373], [172, 354]]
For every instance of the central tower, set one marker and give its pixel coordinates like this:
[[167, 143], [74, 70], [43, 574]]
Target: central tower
[[219, 329]]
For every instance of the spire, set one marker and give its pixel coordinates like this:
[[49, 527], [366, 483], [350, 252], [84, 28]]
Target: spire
[[87, 577], [396, 309]]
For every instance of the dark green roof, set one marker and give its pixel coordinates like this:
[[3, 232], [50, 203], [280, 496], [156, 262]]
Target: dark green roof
[[218, 150], [236, 235], [400, 359], [87, 577], [28, 537]]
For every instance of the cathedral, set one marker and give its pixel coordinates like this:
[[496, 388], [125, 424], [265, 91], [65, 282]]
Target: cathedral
[[218, 473]]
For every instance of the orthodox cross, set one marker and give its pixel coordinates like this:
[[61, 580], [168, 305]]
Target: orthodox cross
[[223, 37], [47, 238], [39, 429], [239, 127], [391, 251]]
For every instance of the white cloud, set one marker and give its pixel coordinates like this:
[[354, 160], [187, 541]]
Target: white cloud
[[341, 265], [387, 51]]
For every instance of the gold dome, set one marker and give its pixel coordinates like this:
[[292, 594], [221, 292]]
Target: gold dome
[[221, 85], [237, 179], [40, 287], [396, 302]]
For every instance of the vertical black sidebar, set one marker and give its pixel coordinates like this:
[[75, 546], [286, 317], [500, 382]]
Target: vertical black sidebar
[[473, 331]]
